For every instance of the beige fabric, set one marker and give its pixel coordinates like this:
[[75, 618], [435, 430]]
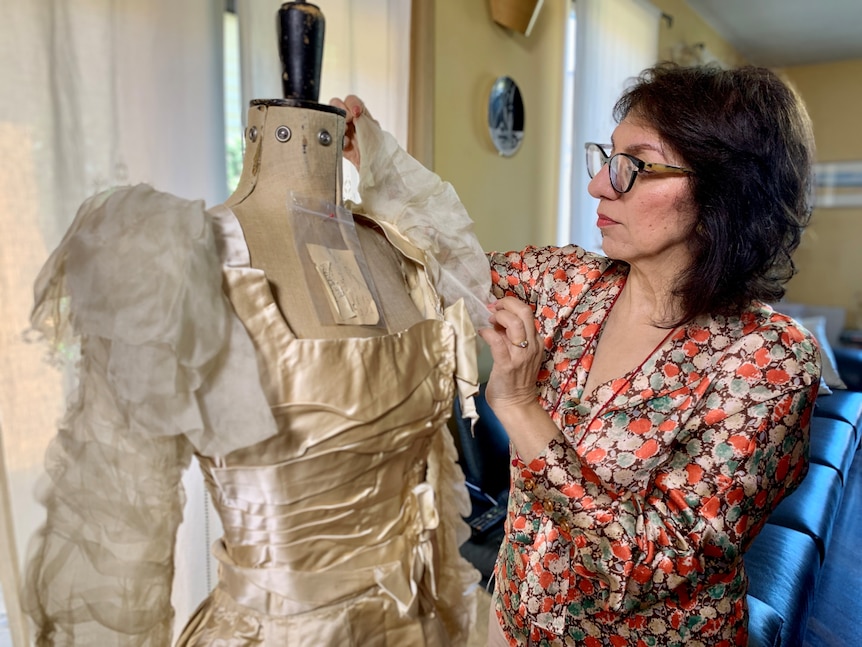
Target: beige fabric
[[816, 325], [409, 199], [344, 528], [328, 460], [164, 367], [9, 578]]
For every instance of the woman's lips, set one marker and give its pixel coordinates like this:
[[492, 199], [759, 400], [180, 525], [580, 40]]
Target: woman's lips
[[604, 221]]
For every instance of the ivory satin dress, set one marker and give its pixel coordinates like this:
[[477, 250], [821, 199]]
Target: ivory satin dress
[[329, 461], [331, 525]]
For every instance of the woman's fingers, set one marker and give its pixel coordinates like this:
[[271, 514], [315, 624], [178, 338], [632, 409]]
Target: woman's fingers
[[512, 339], [516, 351], [351, 104], [513, 325], [516, 318], [354, 107]]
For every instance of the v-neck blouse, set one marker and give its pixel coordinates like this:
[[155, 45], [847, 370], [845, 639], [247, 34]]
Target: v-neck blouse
[[631, 525]]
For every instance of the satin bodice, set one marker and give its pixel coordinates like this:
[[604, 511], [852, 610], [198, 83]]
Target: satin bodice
[[341, 489], [342, 505]]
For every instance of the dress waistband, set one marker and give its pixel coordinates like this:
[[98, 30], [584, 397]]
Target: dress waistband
[[400, 568]]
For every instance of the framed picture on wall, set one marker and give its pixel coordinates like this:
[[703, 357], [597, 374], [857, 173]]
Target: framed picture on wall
[[506, 116], [838, 184]]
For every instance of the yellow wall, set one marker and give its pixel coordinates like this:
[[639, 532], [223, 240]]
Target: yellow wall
[[512, 200], [828, 260], [830, 272], [830, 256]]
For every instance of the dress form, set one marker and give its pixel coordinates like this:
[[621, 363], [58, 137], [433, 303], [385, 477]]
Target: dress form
[[324, 447], [294, 151], [294, 148]]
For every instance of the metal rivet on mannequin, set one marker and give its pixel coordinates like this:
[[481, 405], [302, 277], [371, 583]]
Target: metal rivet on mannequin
[[252, 134], [324, 138], [282, 133]]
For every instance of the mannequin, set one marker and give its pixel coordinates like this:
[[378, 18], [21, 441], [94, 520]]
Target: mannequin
[[274, 170], [294, 155], [293, 146], [308, 364]]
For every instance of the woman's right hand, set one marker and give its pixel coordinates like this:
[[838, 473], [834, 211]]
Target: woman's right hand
[[355, 109]]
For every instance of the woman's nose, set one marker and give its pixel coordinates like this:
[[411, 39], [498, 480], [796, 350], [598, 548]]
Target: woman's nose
[[600, 185]]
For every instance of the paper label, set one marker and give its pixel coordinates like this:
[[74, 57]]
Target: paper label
[[350, 300]]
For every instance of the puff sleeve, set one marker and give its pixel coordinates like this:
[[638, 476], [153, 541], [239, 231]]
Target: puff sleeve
[[135, 289]]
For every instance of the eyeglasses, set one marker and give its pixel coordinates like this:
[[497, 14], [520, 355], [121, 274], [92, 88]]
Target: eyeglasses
[[625, 168]]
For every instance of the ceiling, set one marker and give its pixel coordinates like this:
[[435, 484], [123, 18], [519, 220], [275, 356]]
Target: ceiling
[[783, 33]]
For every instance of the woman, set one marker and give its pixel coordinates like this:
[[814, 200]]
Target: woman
[[658, 410]]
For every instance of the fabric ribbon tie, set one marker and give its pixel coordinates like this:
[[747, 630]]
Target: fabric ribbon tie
[[402, 585], [466, 364]]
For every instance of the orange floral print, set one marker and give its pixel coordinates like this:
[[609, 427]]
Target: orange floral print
[[629, 529]]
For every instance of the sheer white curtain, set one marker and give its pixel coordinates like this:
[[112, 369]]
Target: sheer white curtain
[[104, 92], [615, 40], [95, 93]]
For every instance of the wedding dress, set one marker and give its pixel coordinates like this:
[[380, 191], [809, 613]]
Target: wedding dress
[[329, 461]]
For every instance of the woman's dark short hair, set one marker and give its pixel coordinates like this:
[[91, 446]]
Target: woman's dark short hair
[[747, 136]]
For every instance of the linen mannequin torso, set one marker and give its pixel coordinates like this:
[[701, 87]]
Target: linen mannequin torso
[[272, 171]]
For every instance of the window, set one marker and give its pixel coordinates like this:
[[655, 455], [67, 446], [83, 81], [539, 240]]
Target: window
[[614, 41], [569, 148], [233, 108]]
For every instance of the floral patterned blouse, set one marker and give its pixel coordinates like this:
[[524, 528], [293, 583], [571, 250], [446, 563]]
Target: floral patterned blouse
[[629, 528]]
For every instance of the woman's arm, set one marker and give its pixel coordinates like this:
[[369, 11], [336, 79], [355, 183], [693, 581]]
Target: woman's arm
[[535, 288]]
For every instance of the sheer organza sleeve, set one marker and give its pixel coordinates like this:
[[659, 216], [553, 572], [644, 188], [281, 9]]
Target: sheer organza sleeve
[[396, 189], [135, 289]]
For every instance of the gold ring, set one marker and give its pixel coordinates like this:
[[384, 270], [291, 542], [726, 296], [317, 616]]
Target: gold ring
[[521, 344]]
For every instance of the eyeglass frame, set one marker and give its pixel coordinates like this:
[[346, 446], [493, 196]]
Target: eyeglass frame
[[640, 166]]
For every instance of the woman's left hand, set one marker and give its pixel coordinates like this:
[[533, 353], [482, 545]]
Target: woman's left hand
[[517, 352]]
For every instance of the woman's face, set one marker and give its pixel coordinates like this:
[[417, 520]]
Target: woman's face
[[650, 225]]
